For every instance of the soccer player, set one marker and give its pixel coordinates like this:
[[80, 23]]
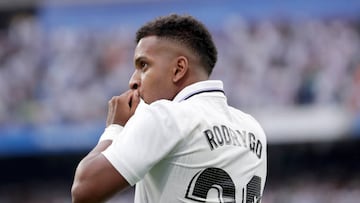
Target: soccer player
[[172, 134]]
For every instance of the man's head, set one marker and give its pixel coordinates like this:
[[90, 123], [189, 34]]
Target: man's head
[[172, 52], [184, 30]]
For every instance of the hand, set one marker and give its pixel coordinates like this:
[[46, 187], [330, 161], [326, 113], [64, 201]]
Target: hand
[[121, 108]]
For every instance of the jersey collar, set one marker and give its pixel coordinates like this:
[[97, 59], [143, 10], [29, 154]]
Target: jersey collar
[[198, 88]]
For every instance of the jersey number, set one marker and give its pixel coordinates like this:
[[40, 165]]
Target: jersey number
[[218, 179]]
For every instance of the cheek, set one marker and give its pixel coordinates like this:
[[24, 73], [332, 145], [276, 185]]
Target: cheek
[[149, 86], [155, 86]]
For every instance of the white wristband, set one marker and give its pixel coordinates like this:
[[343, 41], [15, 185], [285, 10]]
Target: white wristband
[[111, 132]]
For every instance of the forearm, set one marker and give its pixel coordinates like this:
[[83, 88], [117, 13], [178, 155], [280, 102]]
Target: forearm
[[110, 133], [84, 188], [100, 147], [95, 178]]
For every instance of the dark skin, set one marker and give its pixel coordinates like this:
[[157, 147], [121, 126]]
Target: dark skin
[[96, 179], [162, 69]]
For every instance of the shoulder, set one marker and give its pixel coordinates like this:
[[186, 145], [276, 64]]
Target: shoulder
[[169, 114], [162, 112], [247, 118], [169, 108], [242, 115]]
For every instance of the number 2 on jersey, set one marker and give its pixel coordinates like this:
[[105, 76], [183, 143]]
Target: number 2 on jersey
[[220, 181]]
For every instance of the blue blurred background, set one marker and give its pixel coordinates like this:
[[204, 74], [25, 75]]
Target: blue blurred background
[[294, 65]]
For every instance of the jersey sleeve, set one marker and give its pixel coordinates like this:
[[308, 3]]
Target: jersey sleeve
[[150, 134]]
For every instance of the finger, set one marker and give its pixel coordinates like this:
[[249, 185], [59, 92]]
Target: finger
[[128, 95], [135, 100], [110, 114]]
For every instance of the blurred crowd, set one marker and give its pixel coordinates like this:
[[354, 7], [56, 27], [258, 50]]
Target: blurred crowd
[[310, 189], [67, 75], [60, 76], [287, 63]]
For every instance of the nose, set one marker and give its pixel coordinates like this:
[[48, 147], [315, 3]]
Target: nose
[[134, 82]]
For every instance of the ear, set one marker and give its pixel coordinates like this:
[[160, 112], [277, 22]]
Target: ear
[[180, 69]]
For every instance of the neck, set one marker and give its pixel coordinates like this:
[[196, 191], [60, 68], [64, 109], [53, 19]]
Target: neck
[[190, 78]]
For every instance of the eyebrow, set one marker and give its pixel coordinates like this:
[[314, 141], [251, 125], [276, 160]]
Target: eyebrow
[[138, 59]]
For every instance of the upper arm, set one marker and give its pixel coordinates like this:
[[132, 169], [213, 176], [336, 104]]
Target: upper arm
[[149, 136], [95, 178]]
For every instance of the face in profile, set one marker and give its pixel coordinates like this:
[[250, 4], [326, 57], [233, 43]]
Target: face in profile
[[155, 60]]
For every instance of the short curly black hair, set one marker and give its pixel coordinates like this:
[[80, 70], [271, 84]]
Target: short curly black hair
[[186, 30]]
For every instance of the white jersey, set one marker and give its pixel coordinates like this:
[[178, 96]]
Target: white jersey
[[195, 148]]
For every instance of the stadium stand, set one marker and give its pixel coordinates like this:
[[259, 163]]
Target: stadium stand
[[305, 67]]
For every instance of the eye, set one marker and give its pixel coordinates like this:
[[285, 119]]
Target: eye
[[143, 64]]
